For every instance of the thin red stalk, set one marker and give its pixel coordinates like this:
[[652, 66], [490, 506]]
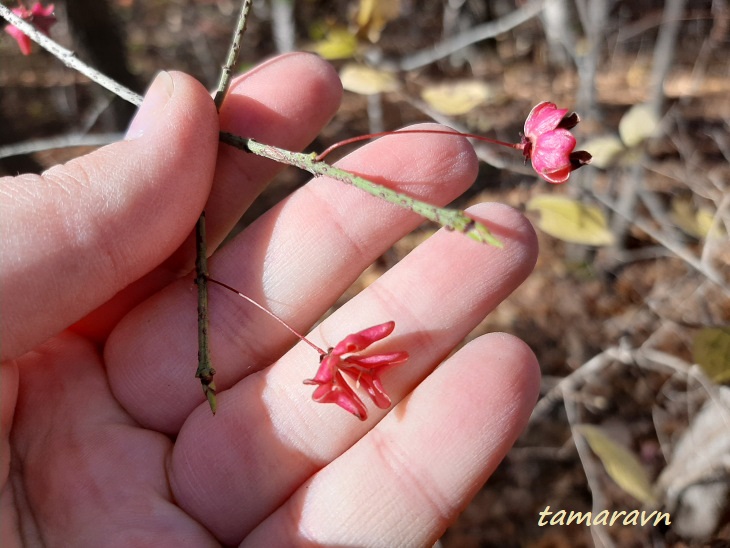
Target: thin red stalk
[[359, 138], [270, 313]]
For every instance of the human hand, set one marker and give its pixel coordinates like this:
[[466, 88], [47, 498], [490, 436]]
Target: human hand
[[112, 442]]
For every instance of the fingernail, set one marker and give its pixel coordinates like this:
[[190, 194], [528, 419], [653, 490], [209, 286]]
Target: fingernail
[[154, 103]]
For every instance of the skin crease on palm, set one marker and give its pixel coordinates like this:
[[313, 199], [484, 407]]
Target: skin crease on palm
[[106, 437]]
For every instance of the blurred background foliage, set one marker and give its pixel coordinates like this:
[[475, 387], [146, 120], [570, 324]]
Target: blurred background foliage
[[629, 306]]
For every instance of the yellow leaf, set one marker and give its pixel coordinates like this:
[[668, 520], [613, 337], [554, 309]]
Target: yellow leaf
[[367, 81], [695, 222], [571, 221], [373, 15], [711, 350], [705, 218], [638, 124], [338, 43], [683, 216], [605, 150], [621, 464], [455, 98]]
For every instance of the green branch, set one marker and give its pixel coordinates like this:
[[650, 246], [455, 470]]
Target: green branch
[[452, 219]]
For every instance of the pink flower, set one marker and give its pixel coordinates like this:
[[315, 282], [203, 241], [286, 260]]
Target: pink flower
[[364, 370], [549, 144], [41, 17]]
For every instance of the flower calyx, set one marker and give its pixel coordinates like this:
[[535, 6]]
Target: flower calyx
[[345, 359]]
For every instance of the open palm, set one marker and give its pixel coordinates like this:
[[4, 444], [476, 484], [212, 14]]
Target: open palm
[[107, 439]]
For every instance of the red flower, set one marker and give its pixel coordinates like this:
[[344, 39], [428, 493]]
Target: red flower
[[549, 144], [41, 17], [331, 384]]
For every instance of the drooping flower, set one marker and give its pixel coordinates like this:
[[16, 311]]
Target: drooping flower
[[364, 370], [42, 18], [548, 143]]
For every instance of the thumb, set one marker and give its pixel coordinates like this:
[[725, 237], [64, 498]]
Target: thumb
[[80, 232]]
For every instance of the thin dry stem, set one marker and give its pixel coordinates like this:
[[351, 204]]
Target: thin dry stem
[[69, 58], [205, 371], [471, 36], [233, 52]]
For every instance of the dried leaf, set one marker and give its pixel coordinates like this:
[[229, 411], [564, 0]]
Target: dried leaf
[[711, 350], [367, 81], [683, 215], [693, 488], [373, 15], [704, 218], [638, 124], [696, 222], [605, 150], [571, 221], [455, 98], [338, 43], [620, 464]]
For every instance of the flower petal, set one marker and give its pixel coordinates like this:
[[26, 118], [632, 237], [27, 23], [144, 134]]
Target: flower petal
[[372, 384], [327, 369], [543, 117], [340, 393], [378, 360], [557, 176], [42, 18], [22, 40], [551, 155], [362, 339]]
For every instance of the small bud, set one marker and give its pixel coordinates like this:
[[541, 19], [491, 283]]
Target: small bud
[[549, 145]]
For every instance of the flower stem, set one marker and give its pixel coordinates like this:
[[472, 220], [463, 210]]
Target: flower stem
[[369, 136], [270, 313]]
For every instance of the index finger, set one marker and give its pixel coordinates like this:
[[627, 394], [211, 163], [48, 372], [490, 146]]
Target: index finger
[[260, 106]]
